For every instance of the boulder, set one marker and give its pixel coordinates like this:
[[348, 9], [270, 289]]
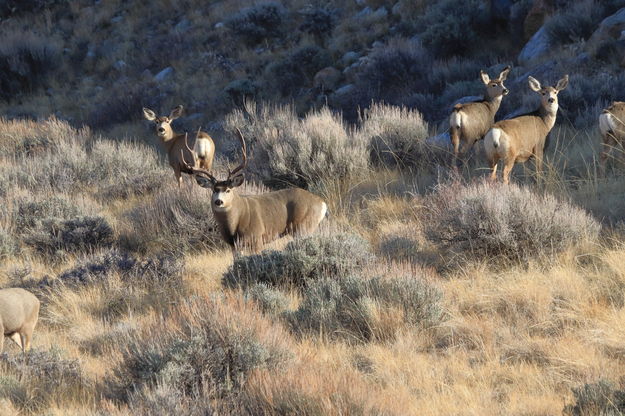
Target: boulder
[[164, 75], [349, 58], [537, 47], [610, 28], [441, 141], [536, 16]]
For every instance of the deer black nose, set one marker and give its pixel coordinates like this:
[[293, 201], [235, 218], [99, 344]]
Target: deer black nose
[[160, 129], [506, 91], [219, 202], [551, 100]]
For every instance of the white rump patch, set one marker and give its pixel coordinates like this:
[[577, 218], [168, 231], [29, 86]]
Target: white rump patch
[[606, 123], [324, 211], [456, 119], [202, 148]]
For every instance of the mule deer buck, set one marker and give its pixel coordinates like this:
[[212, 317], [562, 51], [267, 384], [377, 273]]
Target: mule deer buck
[[523, 137], [19, 311], [469, 122], [254, 220], [612, 127], [178, 153]]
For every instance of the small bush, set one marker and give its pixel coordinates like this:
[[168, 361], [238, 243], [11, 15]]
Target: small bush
[[362, 309], [600, 398], [297, 70], [31, 211], [159, 270], [8, 244], [214, 348], [574, 23], [26, 61], [452, 28], [269, 300], [309, 153], [55, 238], [485, 221], [396, 136], [319, 22], [258, 23], [302, 261]]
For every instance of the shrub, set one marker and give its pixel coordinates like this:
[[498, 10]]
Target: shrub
[[240, 90], [215, 346], [258, 23], [309, 153], [451, 27], [160, 270], [362, 309], [485, 220], [396, 135], [56, 237], [177, 221], [31, 210], [302, 261], [297, 70], [574, 23], [8, 244], [26, 61], [319, 22], [45, 377], [268, 299], [600, 398]]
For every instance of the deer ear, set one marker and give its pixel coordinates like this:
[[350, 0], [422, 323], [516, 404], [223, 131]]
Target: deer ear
[[204, 182], [149, 114], [237, 180], [534, 84], [175, 113], [562, 83], [485, 77], [504, 73]]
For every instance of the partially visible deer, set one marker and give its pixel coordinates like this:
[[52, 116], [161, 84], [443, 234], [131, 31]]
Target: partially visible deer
[[254, 220], [469, 122], [178, 153], [19, 312], [523, 137], [612, 127]]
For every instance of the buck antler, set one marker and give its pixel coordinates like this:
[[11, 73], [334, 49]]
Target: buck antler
[[196, 171], [244, 156]]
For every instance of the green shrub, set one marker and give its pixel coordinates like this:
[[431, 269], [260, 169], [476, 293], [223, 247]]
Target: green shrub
[[362, 309], [270, 300], [487, 221], [258, 23], [302, 261], [296, 70], [56, 237], [396, 136], [600, 398]]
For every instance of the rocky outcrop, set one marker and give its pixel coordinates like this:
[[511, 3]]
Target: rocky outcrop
[[537, 47]]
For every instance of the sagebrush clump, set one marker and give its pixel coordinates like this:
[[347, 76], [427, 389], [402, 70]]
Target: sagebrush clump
[[488, 221]]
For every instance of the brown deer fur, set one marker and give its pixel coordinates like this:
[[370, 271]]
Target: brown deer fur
[[19, 311], [469, 122], [523, 137], [612, 127], [178, 154], [254, 220]]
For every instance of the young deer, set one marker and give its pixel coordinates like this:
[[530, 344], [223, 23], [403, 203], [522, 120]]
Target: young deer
[[178, 153], [469, 122], [523, 137], [612, 127], [254, 220], [19, 311]]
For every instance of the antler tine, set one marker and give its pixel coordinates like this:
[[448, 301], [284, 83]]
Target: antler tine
[[193, 169], [244, 154]]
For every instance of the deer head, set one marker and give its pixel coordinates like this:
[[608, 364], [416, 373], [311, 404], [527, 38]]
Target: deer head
[[223, 194], [495, 87], [163, 123], [549, 95]]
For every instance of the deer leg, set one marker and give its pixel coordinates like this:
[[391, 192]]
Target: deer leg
[[509, 164], [609, 142], [538, 164], [493, 167], [15, 337], [178, 176]]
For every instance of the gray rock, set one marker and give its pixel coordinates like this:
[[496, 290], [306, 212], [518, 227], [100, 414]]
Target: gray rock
[[119, 65], [380, 13], [397, 9], [364, 12], [117, 19], [535, 48], [183, 26], [219, 25], [164, 75], [610, 28], [377, 44], [442, 141], [345, 89], [147, 74], [350, 57]]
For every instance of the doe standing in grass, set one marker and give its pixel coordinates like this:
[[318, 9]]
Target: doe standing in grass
[[521, 138], [19, 311], [254, 220], [469, 122], [612, 127], [178, 153]]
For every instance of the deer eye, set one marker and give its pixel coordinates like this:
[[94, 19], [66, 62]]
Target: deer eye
[[227, 191]]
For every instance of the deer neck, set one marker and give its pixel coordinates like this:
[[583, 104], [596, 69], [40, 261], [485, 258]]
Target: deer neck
[[169, 140], [548, 117], [229, 219], [493, 103]]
